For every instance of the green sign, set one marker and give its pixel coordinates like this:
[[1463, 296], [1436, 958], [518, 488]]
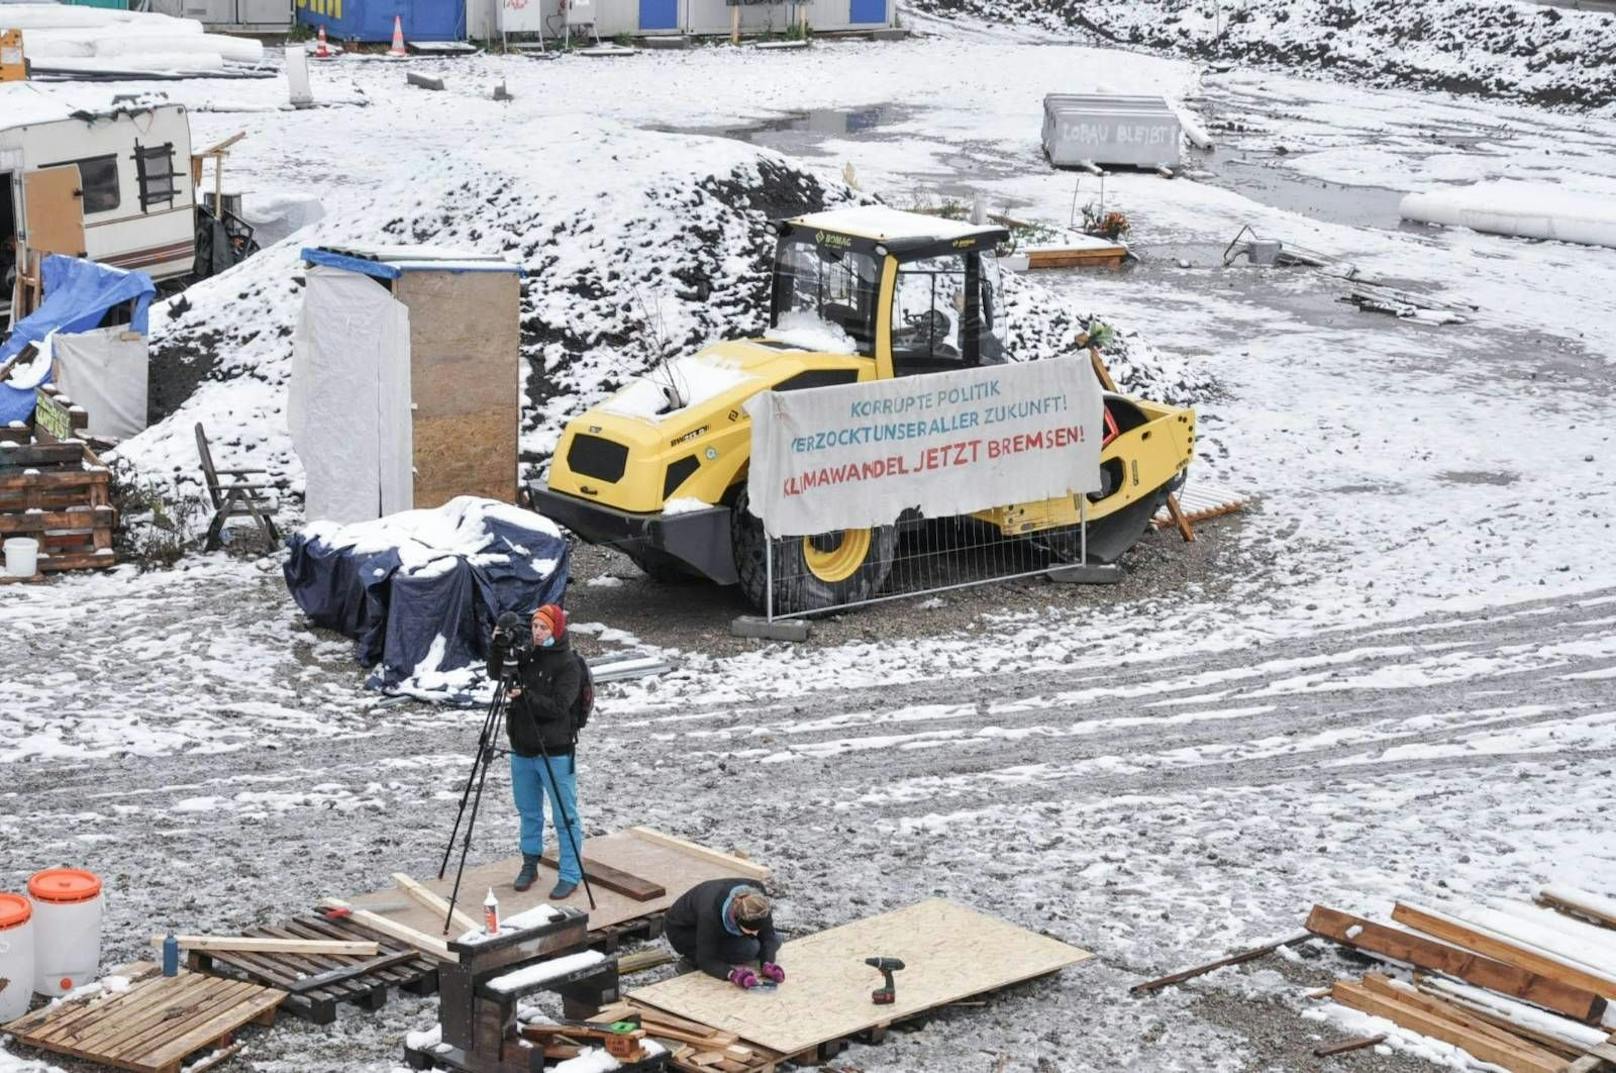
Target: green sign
[[52, 416]]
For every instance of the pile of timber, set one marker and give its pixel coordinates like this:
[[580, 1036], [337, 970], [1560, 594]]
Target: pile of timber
[[1522, 986], [694, 1047], [60, 495]]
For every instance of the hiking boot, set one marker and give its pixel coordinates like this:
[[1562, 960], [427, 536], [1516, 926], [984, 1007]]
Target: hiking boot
[[562, 889], [529, 872]]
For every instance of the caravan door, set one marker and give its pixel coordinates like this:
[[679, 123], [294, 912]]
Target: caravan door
[[53, 208]]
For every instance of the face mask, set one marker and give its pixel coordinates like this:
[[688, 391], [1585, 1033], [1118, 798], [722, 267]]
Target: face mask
[[547, 642]]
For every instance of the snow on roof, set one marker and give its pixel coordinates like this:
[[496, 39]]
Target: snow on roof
[[26, 103], [887, 225]]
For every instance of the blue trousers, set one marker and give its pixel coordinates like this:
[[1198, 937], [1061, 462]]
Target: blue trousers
[[530, 785]]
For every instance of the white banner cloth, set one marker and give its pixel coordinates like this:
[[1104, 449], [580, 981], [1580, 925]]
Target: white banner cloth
[[349, 402], [104, 371], [860, 454]]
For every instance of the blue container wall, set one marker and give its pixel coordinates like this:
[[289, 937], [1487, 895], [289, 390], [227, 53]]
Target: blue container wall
[[372, 20]]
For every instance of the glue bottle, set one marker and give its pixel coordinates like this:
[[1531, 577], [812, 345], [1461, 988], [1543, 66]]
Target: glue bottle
[[171, 955], [491, 913]]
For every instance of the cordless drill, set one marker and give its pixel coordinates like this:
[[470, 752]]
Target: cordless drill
[[884, 995]]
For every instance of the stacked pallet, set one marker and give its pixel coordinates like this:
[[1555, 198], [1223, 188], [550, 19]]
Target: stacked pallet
[[695, 1047], [60, 495], [1524, 987]]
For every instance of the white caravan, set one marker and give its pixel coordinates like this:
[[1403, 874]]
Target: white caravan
[[112, 184]]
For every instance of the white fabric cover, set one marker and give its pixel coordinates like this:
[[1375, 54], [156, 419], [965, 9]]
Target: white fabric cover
[[349, 402], [1520, 210], [948, 443], [104, 371]]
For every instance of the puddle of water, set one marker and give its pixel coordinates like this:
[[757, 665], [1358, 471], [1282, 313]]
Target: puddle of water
[[1262, 177]]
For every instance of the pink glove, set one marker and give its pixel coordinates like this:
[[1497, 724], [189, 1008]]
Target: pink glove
[[743, 977], [773, 972]]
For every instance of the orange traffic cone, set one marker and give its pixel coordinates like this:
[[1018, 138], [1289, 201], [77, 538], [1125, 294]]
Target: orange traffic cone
[[321, 50], [398, 38]]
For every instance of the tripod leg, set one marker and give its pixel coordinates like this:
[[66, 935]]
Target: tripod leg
[[484, 746], [566, 821], [486, 757]]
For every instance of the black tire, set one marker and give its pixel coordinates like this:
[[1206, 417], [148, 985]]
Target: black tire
[[796, 587]]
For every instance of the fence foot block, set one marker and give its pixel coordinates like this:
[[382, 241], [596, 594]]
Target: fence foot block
[[1086, 574], [781, 629]]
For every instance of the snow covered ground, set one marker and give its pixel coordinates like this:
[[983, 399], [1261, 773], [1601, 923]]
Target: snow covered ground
[[1401, 678]]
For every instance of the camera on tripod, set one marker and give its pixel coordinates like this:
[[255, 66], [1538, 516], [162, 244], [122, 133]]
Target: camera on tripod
[[512, 638]]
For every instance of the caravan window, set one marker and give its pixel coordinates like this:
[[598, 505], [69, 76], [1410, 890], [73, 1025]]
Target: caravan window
[[98, 177], [154, 164]]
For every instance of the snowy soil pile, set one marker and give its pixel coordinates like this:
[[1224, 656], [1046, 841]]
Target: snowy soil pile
[[1491, 47], [637, 246]]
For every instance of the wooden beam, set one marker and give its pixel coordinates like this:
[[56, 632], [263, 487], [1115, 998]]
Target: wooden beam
[[1358, 997], [1506, 979], [1456, 931], [219, 147], [254, 944], [432, 947], [1202, 970], [1500, 1019], [1357, 1044], [740, 866], [434, 903], [615, 879]]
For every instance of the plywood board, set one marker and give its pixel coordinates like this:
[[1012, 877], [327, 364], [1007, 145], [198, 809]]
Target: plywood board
[[646, 855], [950, 952]]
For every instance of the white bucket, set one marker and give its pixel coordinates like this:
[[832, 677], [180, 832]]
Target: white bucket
[[67, 929], [16, 956], [22, 556]]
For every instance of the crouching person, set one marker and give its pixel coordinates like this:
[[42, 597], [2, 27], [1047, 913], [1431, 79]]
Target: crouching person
[[726, 928]]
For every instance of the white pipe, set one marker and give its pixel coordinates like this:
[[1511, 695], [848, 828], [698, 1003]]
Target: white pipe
[[1519, 210]]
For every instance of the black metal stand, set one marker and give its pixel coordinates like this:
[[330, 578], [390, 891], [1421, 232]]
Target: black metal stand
[[487, 748]]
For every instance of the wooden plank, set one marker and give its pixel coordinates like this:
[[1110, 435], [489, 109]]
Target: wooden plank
[[604, 875], [669, 863], [1202, 970], [1506, 979], [434, 903], [1497, 1019], [1358, 997], [39, 455], [640, 960], [116, 1044], [952, 952], [742, 867], [1357, 1044], [1578, 904], [1440, 1007], [261, 945], [1455, 931], [347, 972], [434, 948]]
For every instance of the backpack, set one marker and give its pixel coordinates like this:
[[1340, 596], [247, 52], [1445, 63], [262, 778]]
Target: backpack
[[584, 706]]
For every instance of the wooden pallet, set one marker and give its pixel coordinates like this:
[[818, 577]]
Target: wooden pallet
[[317, 983], [641, 929], [157, 1025], [59, 494]]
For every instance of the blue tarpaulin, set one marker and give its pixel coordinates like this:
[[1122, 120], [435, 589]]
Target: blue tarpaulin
[[78, 295], [419, 591]]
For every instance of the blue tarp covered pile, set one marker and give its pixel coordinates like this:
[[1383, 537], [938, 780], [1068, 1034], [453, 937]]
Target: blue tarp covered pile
[[419, 591], [77, 297]]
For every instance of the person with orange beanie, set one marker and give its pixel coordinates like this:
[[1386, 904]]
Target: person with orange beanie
[[540, 723]]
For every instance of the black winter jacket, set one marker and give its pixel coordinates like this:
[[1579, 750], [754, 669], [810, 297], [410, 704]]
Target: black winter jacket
[[701, 910], [550, 682]]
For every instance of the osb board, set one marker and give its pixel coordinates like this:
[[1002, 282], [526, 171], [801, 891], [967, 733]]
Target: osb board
[[675, 868], [950, 952], [465, 383]]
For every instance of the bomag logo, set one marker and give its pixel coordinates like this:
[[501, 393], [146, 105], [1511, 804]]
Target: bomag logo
[[825, 239], [964, 243]]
